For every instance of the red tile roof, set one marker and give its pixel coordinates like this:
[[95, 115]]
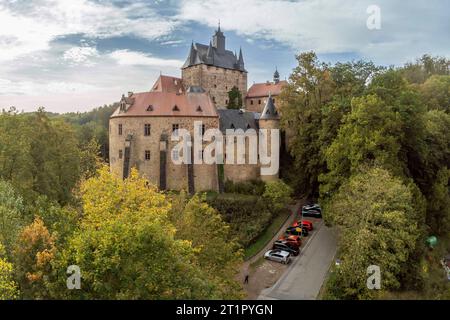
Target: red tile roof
[[262, 89], [163, 98]]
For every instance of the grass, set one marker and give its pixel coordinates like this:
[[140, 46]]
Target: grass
[[266, 236]]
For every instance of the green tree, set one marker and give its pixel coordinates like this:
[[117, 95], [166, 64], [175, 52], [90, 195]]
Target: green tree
[[234, 98], [310, 87], [12, 217], [126, 246], [8, 287], [278, 194], [218, 254], [373, 211]]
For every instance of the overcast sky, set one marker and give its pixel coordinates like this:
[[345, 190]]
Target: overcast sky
[[79, 54]]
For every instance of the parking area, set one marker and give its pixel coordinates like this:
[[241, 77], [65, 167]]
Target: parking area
[[274, 280]]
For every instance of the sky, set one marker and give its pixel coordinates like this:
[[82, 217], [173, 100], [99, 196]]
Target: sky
[[75, 55]]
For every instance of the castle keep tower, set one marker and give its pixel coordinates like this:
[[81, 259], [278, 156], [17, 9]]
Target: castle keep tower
[[215, 69]]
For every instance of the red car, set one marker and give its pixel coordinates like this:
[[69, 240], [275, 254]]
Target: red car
[[305, 224], [293, 240]]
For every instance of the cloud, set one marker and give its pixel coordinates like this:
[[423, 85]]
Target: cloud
[[332, 26], [28, 27], [133, 58], [80, 55]]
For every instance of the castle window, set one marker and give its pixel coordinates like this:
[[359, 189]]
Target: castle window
[[120, 154], [226, 101], [175, 108], [175, 127], [120, 129], [273, 99], [203, 129], [199, 109], [175, 155], [147, 128], [259, 101], [232, 126], [215, 86], [150, 108], [147, 155], [248, 126], [214, 99]]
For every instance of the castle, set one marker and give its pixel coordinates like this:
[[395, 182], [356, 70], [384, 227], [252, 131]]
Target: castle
[[140, 129]]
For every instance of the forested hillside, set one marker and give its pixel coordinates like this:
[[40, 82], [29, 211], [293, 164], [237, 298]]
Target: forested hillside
[[373, 144]]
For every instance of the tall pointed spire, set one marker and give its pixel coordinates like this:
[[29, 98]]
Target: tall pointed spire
[[218, 29], [210, 54], [241, 59], [192, 54]]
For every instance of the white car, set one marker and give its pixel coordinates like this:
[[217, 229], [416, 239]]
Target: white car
[[278, 256]]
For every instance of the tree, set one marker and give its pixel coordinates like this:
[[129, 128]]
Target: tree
[[126, 246], [278, 194], [8, 287], [11, 216], [374, 214], [33, 254], [436, 93], [218, 254], [310, 87], [234, 98]]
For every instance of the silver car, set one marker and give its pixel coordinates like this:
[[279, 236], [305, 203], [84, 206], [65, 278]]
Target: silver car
[[278, 256]]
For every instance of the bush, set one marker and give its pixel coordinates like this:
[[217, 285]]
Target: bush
[[248, 216], [252, 187], [278, 194]]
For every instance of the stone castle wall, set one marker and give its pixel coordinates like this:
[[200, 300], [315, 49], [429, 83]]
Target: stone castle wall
[[205, 176], [217, 81]]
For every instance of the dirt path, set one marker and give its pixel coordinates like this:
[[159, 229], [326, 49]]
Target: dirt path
[[263, 273]]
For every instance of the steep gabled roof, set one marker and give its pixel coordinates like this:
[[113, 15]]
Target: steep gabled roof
[[258, 90], [168, 98], [207, 54]]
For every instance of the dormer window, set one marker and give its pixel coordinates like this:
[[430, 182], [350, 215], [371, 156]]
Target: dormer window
[[150, 108], [248, 126], [199, 109], [232, 126], [175, 108]]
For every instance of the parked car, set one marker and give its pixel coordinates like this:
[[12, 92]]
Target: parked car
[[294, 240], [286, 246], [278, 256], [312, 206], [304, 224], [312, 213], [296, 231]]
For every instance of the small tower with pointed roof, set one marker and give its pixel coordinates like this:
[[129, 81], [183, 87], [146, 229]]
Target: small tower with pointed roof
[[219, 40], [276, 76], [269, 119]]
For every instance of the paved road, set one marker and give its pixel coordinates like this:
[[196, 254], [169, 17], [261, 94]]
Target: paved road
[[307, 272]]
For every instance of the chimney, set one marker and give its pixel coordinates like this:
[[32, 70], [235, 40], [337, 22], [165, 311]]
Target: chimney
[[130, 93]]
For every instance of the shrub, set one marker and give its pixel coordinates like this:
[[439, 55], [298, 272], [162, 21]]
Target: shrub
[[278, 194], [247, 216]]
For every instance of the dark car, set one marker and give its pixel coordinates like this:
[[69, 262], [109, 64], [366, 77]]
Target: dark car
[[296, 231], [312, 213], [283, 245]]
